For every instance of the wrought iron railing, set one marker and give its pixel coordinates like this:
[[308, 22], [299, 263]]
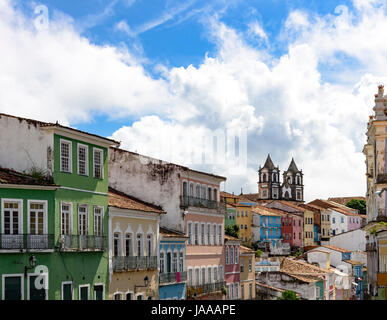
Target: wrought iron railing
[[173, 277], [187, 201], [26, 241], [82, 242], [123, 263], [206, 288]]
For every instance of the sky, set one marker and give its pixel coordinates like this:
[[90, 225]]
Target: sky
[[178, 79]]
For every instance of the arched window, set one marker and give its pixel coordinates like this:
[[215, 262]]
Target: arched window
[[236, 255], [191, 190], [162, 267], [139, 245], [185, 189], [227, 255], [264, 178], [197, 191], [232, 256], [149, 244], [117, 245], [209, 193], [128, 245]]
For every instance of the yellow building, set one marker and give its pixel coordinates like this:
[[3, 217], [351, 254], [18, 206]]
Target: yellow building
[[308, 226], [247, 273], [244, 219], [228, 198], [133, 247]]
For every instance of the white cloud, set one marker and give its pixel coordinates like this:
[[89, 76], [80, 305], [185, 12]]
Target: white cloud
[[255, 28], [287, 105]]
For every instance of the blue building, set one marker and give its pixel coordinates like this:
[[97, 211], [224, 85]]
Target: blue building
[[315, 233], [269, 225], [172, 268]]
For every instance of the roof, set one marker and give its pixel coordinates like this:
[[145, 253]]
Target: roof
[[121, 200], [225, 194], [302, 270], [167, 233], [269, 163], [57, 125], [230, 238], [249, 196], [245, 250], [336, 248], [309, 207], [8, 176], [293, 166], [325, 204], [290, 204], [240, 205], [354, 262], [345, 200], [264, 285], [265, 211]]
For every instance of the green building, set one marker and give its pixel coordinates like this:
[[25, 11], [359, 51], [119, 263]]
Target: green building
[[229, 218], [54, 221]]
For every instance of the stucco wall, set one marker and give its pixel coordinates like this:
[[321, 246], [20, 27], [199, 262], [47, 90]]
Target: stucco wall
[[353, 240]]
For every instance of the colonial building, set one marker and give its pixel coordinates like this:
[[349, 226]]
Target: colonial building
[[247, 273], [270, 186], [232, 270]]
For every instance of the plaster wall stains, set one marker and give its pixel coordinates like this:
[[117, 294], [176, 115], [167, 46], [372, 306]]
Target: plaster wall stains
[[24, 145]]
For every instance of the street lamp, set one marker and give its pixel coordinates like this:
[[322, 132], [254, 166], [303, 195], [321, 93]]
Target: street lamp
[[32, 264], [146, 283]]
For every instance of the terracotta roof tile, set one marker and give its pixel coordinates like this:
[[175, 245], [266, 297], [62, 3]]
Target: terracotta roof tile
[[345, 200], [265, 211], [228, 237], [244, 249], [302, 270], [336, 248], [121, 200], [225, 194], [8, 176], [167, 233]]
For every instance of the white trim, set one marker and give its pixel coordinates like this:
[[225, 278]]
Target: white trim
[[102, 219], [82, 190], [20, 213], [64, 141], [70, 216], [140, 294], [88, 290], [79, 145], [103, 290], [45, 220], [72, 289], [28, 187], [80, 205], [102, 163], [118, 292], [28, 283], [3, 276], [129, 291]]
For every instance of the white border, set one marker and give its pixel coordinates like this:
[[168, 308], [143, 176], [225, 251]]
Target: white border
[[70, 155], [45, 204], [86, 160], [88, 290], [3, 276], [28, 283], [72, 289]]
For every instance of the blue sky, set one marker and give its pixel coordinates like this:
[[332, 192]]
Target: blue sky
[[298, 76]]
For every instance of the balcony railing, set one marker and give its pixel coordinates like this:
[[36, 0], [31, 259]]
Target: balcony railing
[[26, 241], [169, 277], [83, 242], [125, 263], [187, 201], [371, 246], [206, 288]]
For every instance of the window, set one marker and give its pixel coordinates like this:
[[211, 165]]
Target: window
[[129, 245], [246, 213], [214, 235], [189, 232], [98, 222], [203, 192], [242, 292], [209, 275], [215, 274], [250, 265], [241, 213], [299, 235], [13, 287], [215, 195], [245, 226], [220, 234], [84, 292], [67, 291], [221, 272], [161, 262], [203, 275], [149, 244], [98, 292], [237, 213], [181, 261], [232, 255], [98, 163], [197, 276], [236, 290], [198, 191], [129, 296], [236, 255], [83, 159], [208, 234], [37, 217], [342, 219], [241, 226], [82, 220], [333, 220], [209, 193], [116, 245], [191, 190], [227, 255], [190, 277], [242, 266], [250, 291], [139, 245], [174, 262], [196, 237], [118, 296], [12, 217], [66, 218], [140, 297], [65, 156], [202, 234]]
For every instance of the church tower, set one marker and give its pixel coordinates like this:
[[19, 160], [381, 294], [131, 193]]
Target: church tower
[[268, 182], [292, 186]]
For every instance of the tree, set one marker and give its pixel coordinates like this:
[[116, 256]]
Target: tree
[[258, 253], [232, 231], [288, 295], [357, 204]]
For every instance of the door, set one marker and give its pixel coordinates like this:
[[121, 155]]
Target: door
[[36, 294], [82, 226], [12, 239], [169, 261], [84, 293], [98, 292], [13, 288], [67, 291]]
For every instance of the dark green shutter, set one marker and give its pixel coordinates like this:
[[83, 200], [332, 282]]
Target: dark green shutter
[[36, 294], [67, 292], [98, 292], [12, 288]]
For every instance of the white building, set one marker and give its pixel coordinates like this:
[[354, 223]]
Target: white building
[[351, 240]]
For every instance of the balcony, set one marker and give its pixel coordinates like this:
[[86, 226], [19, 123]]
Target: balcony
[[187, 201], [29, 242], [196, 290], [82, 243], [172, 277], [371, 246], [127, 263]]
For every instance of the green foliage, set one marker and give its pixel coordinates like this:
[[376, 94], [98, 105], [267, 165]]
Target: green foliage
[[232, 231], [298, 253], [288, 295], [38, 174], [258, 253], [224, 290], [357, 204]]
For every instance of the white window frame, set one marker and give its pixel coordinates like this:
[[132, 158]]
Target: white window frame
[[132, 246], [227, 255], [45, 224], [181, 254], [70, 216], [102, 220], [129, 291], [21, 275], [152, 249], [190, 280], [70, 143], [88, 290], [80, 145], [45, 274], [72, 289], [20, 213], [208, 242], [214, 239], [189, 232], [196, 277], [119, 249], [87, 218], [236, 254], [103, 290], [102, 166], [118, 292], [196, 235], [202, 234], [162, 266], [141, 244]]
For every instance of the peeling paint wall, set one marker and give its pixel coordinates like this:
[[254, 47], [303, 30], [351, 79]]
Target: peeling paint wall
[[24, 145]]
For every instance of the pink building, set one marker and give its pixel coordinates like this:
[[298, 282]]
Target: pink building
[[232, 267], [292, 229]]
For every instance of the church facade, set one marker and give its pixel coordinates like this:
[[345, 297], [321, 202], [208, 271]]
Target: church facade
[[270, 186]]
